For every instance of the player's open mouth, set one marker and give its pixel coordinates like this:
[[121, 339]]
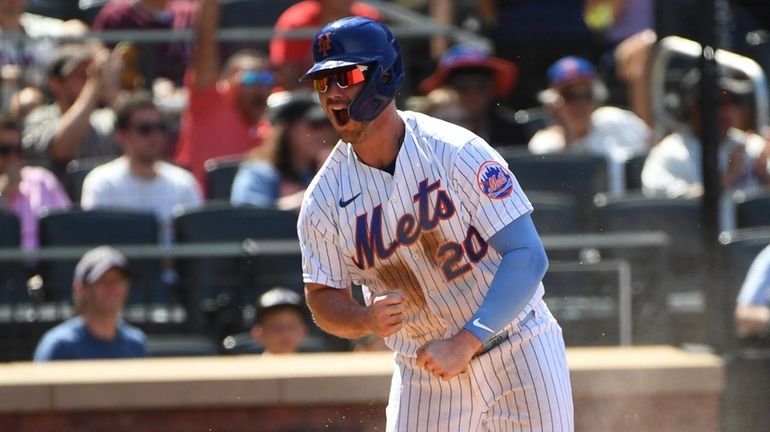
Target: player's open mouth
[[341, 116]]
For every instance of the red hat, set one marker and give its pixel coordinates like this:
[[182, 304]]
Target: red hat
[[466, 56]]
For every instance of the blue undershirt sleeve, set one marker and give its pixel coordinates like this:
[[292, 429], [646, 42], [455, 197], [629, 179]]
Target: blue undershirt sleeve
[[521, 269]]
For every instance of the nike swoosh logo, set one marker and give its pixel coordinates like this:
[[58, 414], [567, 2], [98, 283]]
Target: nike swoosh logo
[[344, 203], [477, 323]]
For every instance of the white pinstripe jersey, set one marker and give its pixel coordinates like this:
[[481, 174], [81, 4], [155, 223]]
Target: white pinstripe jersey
[[422, 230]]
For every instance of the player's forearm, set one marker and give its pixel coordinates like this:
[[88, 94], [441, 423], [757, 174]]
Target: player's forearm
[[523, 266], [336, 312]]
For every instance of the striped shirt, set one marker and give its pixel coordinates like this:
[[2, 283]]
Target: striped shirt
[[422, 230]]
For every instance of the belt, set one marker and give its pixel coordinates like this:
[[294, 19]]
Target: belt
[[493, 342]]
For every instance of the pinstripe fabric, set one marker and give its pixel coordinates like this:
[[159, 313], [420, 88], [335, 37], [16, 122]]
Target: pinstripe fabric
[[423, 230]]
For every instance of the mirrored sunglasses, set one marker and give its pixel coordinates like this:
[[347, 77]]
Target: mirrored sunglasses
[[344, 79], [265, 78]]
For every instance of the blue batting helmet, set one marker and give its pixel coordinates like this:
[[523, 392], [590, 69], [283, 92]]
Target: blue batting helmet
[[360, 41]]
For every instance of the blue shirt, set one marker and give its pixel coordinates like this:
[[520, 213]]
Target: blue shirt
[[256, 184], [71, 340], [756, 287]]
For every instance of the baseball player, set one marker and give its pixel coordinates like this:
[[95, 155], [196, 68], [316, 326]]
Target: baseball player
[[428, 219]]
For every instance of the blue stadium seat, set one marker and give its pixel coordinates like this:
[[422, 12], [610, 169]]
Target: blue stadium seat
[[577, 175], [220, 287], [219, 175], [752, 210], [77, 227]]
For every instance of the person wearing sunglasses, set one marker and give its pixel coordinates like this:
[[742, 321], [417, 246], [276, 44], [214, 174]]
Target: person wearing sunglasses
[[139, 179], [581, 124], [276, 174], [25, 190], [426, 216], [225, 111]]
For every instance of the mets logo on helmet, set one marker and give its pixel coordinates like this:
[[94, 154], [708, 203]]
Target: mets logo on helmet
[[494, 180], [325, 43]]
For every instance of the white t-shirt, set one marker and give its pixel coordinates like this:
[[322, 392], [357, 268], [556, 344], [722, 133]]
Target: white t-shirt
[[674, 167], [614, 133], [112, 185]]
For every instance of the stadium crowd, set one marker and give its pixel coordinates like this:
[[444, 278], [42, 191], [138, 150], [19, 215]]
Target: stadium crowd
[[126, 125]]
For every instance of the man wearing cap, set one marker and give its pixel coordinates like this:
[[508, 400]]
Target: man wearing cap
[[481, 80], [224, 111], [280, 323], [74, 126], [582, 125], [301, 139], [99, 289]]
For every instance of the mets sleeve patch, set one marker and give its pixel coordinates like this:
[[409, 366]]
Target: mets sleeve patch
[[494, 180]]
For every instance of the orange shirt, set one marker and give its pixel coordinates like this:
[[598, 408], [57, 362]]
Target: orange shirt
[[305, 14], [213, 126]]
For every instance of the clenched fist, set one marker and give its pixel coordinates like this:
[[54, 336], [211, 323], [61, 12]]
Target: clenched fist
[[386, 313]]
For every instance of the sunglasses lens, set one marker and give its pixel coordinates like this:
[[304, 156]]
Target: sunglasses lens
[[321, 84], [148, 128], [6, 150], [344, 79], [261, 78]]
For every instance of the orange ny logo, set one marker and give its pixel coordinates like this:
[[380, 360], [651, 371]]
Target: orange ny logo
[[325, 43]]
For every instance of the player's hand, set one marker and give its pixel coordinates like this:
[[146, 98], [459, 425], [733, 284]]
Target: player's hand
[[446, 358], [386, 313]]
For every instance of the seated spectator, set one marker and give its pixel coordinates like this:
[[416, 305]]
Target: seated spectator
[[673, 167], [276, 174], [752, 312], [481, 81], [224, 111], [292, 57], [583, 125], [25, 190], [280, 322], [99, 289], [74, 126], [166, 60], [140, 179]]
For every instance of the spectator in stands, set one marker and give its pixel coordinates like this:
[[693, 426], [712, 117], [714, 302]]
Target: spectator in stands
[[280, 322], [752, 312], [673, 167], [224, 115], [482, 81], [74, 126], [99, 289], [160, 59], [25, 190], [292, 57], [276, 174], [582, 125], [139, 179]]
